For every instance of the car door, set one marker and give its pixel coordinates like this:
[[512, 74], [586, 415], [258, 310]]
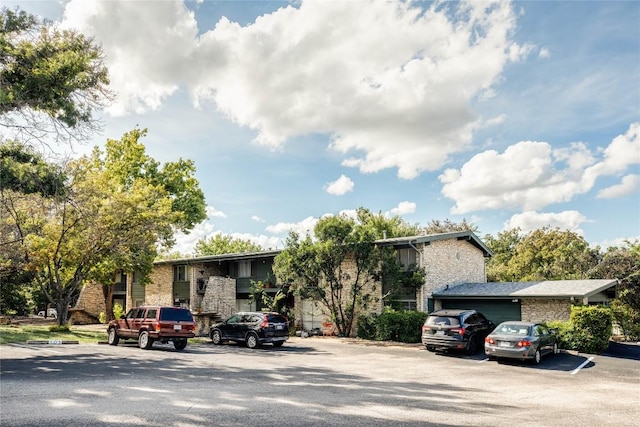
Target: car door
[[137, 322], [125, 324], [544, 336], [230, 328]]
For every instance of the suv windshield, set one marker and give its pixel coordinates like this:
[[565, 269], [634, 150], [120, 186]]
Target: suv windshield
[[176, 315]]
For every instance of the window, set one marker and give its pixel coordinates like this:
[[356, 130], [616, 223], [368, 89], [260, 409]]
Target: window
[[179, 273], [407, 257], [244, 268], [151, 313]]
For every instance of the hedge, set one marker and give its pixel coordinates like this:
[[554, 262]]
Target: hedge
[[587, 331], [392, 325]]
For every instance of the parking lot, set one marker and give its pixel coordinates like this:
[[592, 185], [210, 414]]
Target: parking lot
[[315, 381]]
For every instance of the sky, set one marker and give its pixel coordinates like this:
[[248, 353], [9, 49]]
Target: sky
[[504, 114]]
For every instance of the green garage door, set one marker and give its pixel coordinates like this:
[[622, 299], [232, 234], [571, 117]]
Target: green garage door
[[495, 310]]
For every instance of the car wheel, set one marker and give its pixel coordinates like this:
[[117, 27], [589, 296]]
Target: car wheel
[[432, 349], [537, 357], [216, 337], [556, 349], [144, 341], [472, 346], [180, 344], [112, 337], [278, 343], [252, 340]]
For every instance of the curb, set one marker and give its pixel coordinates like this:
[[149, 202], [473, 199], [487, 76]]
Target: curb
[[52, 342]]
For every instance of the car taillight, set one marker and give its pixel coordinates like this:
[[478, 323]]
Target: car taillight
[[523, 343], [457, 331], [489, 340], [265, 323]]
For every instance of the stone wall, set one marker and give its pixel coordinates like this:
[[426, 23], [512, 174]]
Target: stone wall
[[450, 262], [545, 310], [160, 290], [91, 302]]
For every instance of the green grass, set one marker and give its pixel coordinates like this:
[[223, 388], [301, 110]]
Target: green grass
[[20, 334]]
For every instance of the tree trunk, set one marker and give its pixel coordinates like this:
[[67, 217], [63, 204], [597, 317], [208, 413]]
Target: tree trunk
[[107, 291]]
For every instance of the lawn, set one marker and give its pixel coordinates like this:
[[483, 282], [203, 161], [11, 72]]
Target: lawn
[[23, 333]]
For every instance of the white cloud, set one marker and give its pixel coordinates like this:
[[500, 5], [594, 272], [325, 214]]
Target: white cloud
[[392, 83], [617, 242], [630, 184], [529, 221], [302, 228], [256, 218], [214, 213], [531, 175], [404, 208], [340, 186]]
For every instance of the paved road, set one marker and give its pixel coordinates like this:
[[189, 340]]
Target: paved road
[[309, 382]]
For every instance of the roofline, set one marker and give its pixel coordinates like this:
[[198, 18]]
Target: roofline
[[223, 257], [468, 235]]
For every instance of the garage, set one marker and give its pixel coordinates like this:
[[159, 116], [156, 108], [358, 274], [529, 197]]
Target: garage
[[496, 310]]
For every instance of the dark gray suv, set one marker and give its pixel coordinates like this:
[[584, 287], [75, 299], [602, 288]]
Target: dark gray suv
[[456, 330], [252, 328]]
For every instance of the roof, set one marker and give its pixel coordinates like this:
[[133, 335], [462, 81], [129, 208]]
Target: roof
[[542, 289], [428, 238], [224, 257], [396, 241]]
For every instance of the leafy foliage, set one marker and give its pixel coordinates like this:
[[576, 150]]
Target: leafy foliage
[[25, 171], [588, 330], [52, 80], [543, 254], [342, 267], [224, 244], [392, 325], [447, 226]]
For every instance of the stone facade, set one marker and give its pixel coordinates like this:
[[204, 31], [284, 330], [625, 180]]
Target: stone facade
[[545, 310], [449, 262], [160, 290], [89, 305]]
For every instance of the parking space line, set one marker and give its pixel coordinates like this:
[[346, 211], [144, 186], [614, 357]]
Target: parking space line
[[575, 371]]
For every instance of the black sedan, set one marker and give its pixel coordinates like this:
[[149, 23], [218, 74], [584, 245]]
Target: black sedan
[[252, 328], [521, 340]]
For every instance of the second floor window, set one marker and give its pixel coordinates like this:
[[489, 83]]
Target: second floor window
[[407, 257], [179, 273], [244, 268]]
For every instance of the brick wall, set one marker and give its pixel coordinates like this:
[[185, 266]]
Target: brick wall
[[450, 262], [545, 310], [160, 290], [91, 302]]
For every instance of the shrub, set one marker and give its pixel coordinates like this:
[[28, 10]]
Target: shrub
[[366, 326], [588, 330], [392, 325], [59, 328], [627, 318], [118, 311]]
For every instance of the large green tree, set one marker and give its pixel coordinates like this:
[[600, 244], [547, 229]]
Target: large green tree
[[119, 205], [224, 244], [52, 80], [340, 267], [543, 254]]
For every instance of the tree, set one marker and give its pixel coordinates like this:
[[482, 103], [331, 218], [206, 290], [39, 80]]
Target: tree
[[116, 210], [25, 171], [447, 226], [52, 80], [224, 244], [504, 248], [623, 263], [543, 254], [342, 267]]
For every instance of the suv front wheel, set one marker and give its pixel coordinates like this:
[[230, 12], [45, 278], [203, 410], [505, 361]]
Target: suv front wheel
[[144, 341], [113, 337]]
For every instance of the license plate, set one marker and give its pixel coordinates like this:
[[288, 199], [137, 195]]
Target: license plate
[[279, 327], [177, 327], [504, 344], [439, 332]]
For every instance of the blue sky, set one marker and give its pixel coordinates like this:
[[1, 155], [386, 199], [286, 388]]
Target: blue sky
[[504, 114]]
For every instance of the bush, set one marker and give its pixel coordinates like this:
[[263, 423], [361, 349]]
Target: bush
[[588, 330], [391, 325], [59, 328], [366, 327], [627, 318], [118, 311]]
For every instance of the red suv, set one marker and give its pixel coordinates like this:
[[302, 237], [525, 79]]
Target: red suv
[[148, 324]]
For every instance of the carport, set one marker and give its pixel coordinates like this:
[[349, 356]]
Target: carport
[[532, 301]]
